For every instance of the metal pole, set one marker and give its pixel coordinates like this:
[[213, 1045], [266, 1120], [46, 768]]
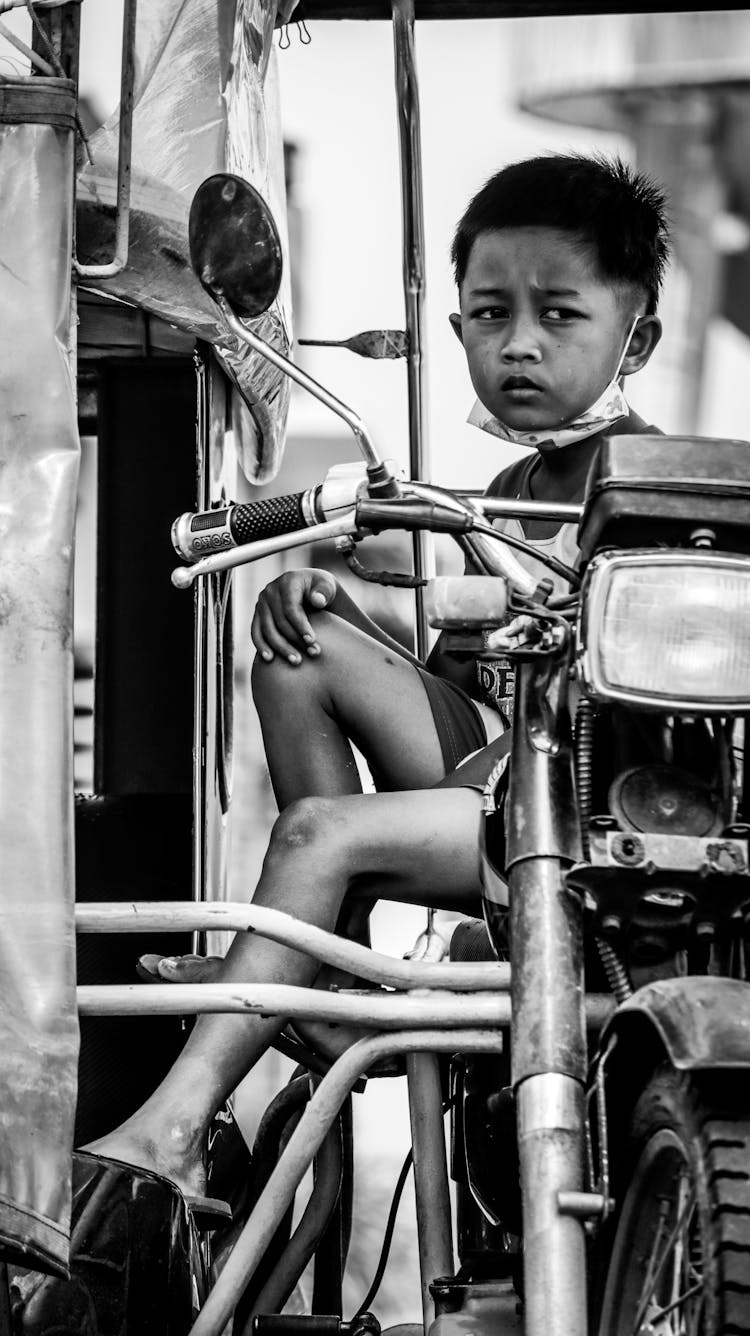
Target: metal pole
[[430, 1175], [549, 1063], [551, 1114], [548, 1003], [200, 612], [410, 154]]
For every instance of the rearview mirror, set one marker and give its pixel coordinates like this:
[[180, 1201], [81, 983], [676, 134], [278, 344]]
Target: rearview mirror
[[234, 245]]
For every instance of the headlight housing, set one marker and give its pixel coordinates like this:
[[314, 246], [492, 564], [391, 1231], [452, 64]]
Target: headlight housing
[[667, 630]]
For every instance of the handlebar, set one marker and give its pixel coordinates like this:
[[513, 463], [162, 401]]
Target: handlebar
[[183, 576], [196, 535], [343, 506]]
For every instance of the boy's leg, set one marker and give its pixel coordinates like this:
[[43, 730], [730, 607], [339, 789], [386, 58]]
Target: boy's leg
[[356, 689], [414, 847]]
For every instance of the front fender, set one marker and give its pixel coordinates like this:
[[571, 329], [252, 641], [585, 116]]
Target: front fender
[[701, 1022], [696, 1024]]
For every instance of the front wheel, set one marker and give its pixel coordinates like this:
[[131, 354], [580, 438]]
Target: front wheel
[[679, 1263]]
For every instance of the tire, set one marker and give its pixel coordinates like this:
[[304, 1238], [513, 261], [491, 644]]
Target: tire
[[679, 1262]]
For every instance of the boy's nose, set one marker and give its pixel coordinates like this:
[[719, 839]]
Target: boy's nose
[[521, 344]]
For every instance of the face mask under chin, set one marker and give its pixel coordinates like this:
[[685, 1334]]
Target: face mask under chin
[[608, 408]]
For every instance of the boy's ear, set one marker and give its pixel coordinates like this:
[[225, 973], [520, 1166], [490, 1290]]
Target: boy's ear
[[455, 321], [643, 340]]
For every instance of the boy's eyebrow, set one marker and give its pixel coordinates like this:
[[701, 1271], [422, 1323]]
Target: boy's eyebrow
[[499, 291], [560, 292]]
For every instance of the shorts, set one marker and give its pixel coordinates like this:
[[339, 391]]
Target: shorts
[[469, 754]]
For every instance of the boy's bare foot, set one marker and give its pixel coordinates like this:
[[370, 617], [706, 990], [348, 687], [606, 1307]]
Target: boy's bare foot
[[179, 969], [177, 1155]]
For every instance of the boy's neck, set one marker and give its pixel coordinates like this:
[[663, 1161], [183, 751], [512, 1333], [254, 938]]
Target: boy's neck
[[563, 473]]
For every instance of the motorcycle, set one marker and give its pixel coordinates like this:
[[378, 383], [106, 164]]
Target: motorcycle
[[591, 1036], [618, 859]]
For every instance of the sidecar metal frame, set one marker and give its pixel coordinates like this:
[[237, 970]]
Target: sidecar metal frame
[[435, 1009]]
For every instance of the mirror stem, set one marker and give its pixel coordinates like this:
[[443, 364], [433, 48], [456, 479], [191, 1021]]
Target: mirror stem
[[380, 480]]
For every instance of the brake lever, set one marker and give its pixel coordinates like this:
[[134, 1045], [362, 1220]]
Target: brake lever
[[183, 576]]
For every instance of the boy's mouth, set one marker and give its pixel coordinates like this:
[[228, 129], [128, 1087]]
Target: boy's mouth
[[515, 384]]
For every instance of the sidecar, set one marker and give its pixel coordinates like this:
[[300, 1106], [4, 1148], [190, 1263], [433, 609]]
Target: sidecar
[[130, 360]]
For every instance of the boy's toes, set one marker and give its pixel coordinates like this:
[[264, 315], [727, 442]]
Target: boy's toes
[[178, 969], [147, 968], [189, 969]]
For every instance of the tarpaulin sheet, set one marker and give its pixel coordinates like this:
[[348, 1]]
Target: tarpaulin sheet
[[205, 100], [39, 455]]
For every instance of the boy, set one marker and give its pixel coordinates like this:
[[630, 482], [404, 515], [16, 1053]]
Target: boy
[[558, 262]]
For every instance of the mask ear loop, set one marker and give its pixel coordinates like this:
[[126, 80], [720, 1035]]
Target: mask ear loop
[[624, 352]]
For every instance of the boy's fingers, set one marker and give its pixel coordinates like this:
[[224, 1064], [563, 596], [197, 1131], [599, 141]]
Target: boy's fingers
[[294, 615], [273, 635], [322, 591], [258, 638], [276, 635], [506, 637], [294, 623]]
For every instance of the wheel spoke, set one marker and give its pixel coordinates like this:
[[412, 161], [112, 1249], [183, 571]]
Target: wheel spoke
[[686, 1207], [683, 1213], [655, 1316]]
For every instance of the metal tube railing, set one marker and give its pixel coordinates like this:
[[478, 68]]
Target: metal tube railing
[[364, 1010], [303, 1145], [326, 947]]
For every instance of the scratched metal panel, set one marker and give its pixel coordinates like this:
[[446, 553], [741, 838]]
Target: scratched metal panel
[[39, 456]]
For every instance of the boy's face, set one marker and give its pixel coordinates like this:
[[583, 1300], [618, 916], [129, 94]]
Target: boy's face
[[542, 330]]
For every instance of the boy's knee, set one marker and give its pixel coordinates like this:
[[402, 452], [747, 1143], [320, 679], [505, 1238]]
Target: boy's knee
[[275, 679], [308, 823]]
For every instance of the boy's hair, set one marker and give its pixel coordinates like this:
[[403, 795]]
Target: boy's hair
[[620, 212]]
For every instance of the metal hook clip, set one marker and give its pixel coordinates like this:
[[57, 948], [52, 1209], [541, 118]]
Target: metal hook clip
[[285, 40], [304, 33]]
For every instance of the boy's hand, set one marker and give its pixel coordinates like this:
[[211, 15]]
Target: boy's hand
[[280, 624], [523, 630]]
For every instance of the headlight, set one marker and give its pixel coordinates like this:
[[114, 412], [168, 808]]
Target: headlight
[[669, 630]]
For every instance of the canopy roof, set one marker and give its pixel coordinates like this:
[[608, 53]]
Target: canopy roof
[[483, 9]]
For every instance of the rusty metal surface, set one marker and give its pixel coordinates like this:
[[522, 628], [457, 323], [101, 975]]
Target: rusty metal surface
[[703, 1022], [547, 978], [542, 810]]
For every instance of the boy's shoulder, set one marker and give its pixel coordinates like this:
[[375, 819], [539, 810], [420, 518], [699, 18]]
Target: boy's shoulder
[[513, 481]]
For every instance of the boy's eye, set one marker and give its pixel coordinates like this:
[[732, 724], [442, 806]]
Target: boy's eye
[[560, 313], [491, 313]]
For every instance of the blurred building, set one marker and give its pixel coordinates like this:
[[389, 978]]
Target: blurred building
[[677, 87]]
